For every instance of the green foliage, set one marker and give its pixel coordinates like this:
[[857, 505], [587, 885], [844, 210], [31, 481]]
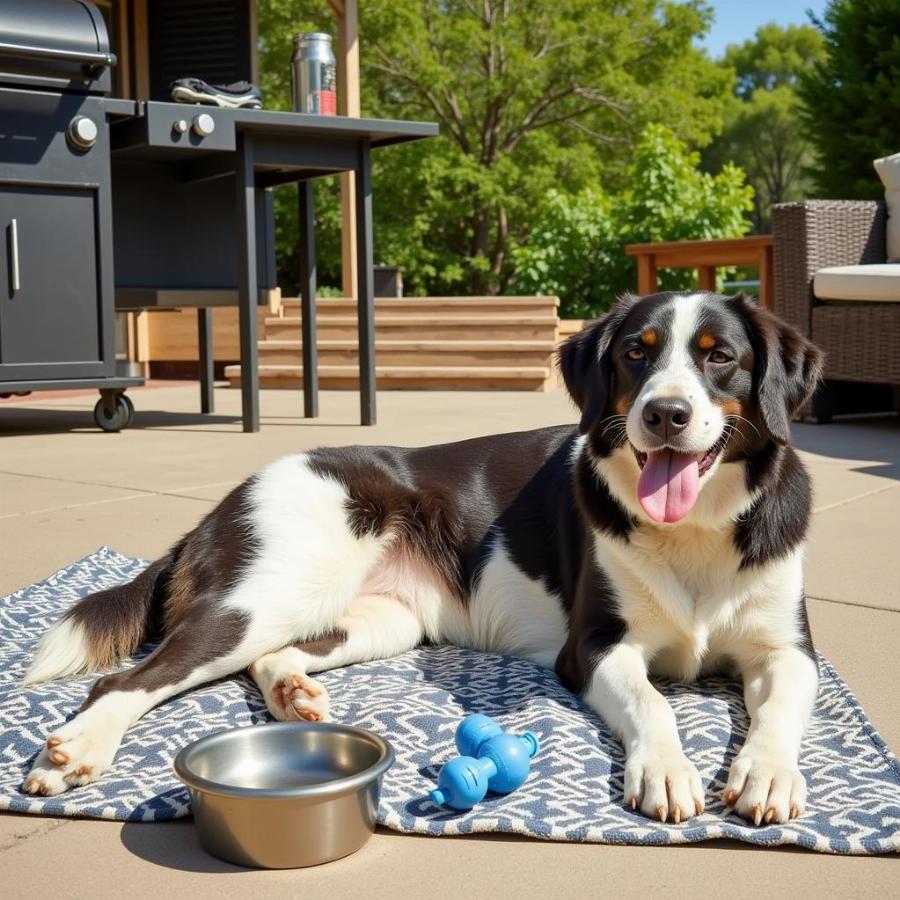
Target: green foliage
[[852, 98], [574, 253], [576, 250], [531, 97], [763, 132]]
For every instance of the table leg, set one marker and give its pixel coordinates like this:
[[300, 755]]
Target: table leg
[[365, 286], [207, 372], [646, 274], [767, 278], [248, 288], [308, 299], [707, 278]]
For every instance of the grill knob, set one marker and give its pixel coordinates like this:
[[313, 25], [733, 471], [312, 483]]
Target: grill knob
[[180, 126], [203, 124], [82, 133]]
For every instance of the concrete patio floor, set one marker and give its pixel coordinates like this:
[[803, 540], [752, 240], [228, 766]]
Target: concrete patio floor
[[66, 489]]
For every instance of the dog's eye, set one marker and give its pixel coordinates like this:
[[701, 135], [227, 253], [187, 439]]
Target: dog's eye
[[717, 356], [635, 354]]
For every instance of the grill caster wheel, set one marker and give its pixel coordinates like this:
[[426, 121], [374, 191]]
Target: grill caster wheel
[[121, 416], [130, 407]]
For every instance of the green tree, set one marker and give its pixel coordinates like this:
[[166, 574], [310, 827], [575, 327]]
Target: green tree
[[763, 132], [531, 97], [576, 250], [852, 98], [774, 57]]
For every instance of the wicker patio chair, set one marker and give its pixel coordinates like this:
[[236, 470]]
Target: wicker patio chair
[[861, 340]]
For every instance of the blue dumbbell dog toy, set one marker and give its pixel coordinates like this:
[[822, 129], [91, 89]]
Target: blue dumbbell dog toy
[[492, 760]]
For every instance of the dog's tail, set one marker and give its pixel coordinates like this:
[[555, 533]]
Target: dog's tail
[[104, 627]]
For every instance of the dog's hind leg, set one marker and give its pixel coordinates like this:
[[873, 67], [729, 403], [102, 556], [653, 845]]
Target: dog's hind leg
[[214, 638], [374, 627], [210, 642], [276, 561]]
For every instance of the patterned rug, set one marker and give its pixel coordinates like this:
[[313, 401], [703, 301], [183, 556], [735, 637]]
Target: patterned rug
[[574, 791]]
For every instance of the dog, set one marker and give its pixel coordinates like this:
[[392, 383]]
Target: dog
[[665, 535]]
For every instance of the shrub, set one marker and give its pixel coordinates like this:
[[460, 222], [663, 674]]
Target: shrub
[[576, 250]]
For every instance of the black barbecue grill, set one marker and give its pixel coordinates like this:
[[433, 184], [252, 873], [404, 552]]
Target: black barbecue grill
[[176, 194], [56, 267], [56, 46]]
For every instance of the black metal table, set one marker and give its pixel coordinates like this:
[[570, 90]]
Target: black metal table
[[179, 168]]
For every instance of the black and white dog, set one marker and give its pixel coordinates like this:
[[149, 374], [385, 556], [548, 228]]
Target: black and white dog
[[664, 535]]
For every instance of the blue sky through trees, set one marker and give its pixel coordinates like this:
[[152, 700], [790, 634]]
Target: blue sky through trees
[[737, 20]]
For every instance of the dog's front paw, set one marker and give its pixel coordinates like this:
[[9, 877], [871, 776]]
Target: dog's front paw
[[765, 789], [664, 784], [72, 756]]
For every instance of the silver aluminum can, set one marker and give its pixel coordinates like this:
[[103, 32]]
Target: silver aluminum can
[[313, 79]]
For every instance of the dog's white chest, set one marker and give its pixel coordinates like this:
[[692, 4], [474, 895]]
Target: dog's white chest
[[676, 589]]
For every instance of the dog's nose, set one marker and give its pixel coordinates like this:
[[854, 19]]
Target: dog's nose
[[667, 416]]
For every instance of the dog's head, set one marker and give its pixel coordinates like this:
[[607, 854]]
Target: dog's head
[[685, 382]]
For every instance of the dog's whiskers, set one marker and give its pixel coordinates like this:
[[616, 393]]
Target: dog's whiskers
[[733, 429], [617, 425], [730, 432], [738, 418], [613, 421]]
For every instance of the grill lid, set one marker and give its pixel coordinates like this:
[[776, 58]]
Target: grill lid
[[54, 44]]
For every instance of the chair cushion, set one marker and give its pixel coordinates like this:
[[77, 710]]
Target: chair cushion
[[888, 169], [879, 282]]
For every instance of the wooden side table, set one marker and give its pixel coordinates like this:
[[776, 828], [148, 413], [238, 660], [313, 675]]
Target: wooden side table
[[706, 257]]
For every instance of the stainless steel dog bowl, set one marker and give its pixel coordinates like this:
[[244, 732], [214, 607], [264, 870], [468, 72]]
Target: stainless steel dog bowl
[[285, 795]]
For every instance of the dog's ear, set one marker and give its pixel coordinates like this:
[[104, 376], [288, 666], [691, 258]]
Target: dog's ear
[[585, 366], [787, 371]]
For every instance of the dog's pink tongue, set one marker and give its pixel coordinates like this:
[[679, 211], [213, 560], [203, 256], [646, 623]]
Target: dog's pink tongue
[[669, 485]]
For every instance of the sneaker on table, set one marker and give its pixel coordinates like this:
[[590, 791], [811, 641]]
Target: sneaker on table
[[239, 95]]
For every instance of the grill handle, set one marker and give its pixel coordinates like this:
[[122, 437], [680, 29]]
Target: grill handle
[[14, 280], [93, 60]]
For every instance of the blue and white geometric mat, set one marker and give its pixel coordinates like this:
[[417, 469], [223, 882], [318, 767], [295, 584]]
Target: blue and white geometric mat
[[574, 791]]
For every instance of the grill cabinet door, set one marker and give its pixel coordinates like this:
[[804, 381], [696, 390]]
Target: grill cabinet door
[[56, 281], [50, 316]]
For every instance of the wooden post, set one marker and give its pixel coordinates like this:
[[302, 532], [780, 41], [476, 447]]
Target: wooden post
[[141, 86], [123, 49], [707, 278], [254, 43], [347, 13], [646, 274]]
